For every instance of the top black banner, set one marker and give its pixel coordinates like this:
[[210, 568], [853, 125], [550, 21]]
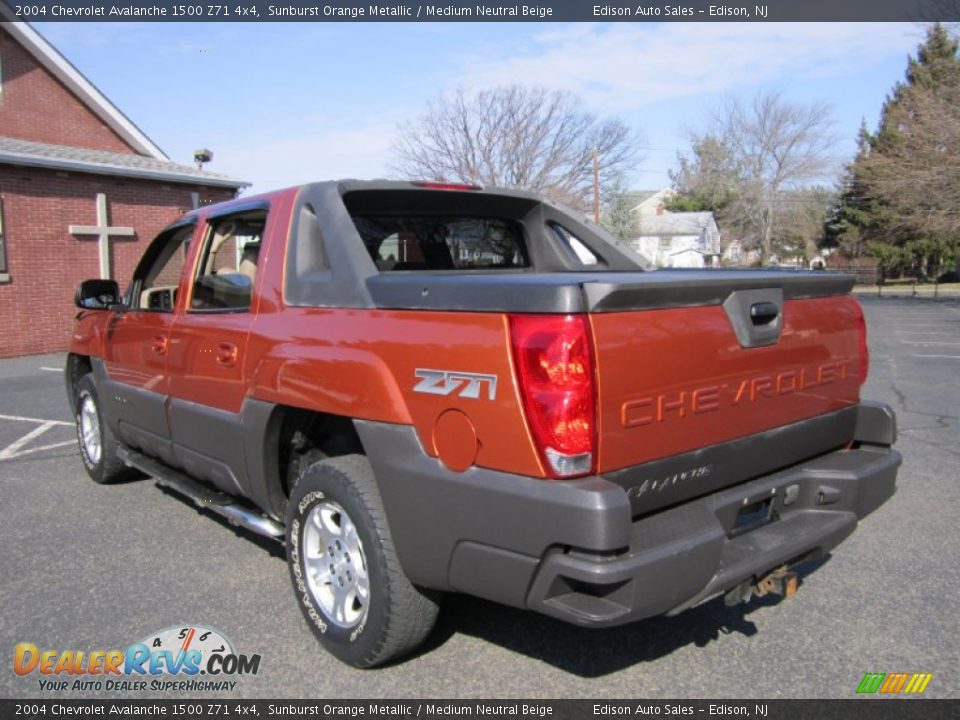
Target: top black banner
[[36, 11]]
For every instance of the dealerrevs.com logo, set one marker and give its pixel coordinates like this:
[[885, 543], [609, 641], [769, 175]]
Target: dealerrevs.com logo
[[190, 658]]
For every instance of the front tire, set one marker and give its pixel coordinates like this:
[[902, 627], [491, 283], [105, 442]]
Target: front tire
[[98, 446], [345, 573]]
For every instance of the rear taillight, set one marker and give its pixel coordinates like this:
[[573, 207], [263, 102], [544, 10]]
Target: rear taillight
[[554, 363], [862, 337]]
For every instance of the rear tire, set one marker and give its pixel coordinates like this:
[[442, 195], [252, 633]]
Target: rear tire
[[345, 573], [98, 446]]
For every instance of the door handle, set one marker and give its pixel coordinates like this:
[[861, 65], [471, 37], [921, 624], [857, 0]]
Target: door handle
[[226, 354], [159, 344]]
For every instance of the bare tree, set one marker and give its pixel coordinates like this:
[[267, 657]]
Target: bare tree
[[777, 146], [517, 137], [804, 213], [760, 149]]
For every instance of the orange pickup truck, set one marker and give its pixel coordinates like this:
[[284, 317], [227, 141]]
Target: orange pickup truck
[[422, 388]]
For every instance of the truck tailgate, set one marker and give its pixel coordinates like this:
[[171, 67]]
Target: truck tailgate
[[678, 380]]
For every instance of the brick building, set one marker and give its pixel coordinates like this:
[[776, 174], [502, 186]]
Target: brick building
[[82, 190]]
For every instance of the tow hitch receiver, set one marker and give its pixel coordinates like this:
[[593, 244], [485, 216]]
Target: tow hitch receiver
[[780, 582]]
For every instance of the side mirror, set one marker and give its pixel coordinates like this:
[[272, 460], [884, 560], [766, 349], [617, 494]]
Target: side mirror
[[97, 294]]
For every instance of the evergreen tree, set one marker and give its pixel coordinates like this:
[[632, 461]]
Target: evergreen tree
[[847, 225], [901, 195], [706, 180], [618, 216]]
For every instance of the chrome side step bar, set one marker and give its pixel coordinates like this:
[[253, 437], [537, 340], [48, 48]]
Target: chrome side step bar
[[203, 496]]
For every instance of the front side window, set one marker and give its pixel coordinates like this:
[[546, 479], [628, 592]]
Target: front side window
[[420, 242], [228, 263], [159, 275]]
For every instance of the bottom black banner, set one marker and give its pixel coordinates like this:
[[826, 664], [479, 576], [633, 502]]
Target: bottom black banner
[[874, 709]]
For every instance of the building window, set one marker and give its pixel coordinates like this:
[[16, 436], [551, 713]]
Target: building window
[[665, 243], [3, 247]]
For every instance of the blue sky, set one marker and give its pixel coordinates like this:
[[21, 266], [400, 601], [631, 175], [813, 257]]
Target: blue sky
[[284, 103]]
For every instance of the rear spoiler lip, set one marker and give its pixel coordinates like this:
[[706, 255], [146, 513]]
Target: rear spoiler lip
[[685, 288], [588, 292]]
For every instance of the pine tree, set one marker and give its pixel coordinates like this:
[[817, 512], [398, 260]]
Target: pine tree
[[901, 195], [618, 216], [849, 223]]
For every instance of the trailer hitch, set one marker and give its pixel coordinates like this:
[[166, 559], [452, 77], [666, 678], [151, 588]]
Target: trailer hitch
[[780, 581]]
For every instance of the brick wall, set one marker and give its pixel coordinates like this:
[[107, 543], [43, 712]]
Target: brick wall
[[45, 263], [36, 106]]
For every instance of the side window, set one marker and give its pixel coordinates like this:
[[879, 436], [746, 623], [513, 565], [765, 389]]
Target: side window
[[575, 245], [307, 264], [157, 278], [228, 263]]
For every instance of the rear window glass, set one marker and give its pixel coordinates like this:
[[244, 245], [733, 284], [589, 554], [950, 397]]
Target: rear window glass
[[422, 242]]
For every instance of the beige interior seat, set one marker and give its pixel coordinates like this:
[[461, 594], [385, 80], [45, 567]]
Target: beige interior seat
[[248, 261]]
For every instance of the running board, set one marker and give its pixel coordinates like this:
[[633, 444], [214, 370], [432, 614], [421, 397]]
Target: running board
[[203, 496]]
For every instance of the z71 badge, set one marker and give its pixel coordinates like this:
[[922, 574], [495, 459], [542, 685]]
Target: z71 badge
[[448, 382]]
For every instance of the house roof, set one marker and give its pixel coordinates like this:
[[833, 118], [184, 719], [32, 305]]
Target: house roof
[[61, 68], [14, 151], [638, 197], [681, 223]]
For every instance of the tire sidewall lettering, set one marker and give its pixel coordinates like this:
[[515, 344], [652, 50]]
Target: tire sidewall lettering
[[316, 616], [309, 499]]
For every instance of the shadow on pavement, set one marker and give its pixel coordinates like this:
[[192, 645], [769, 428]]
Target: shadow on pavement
[[595, 653], [272, 547]]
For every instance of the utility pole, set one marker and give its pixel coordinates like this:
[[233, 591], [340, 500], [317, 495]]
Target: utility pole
[[596, 184]]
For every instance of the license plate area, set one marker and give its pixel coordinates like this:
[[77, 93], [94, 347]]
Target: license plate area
[[752, 516]]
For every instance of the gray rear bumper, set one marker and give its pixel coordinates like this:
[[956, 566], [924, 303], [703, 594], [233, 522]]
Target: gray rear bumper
[[682, 556], [571, 549]]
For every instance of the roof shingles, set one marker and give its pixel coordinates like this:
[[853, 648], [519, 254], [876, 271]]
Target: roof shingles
[[25, 152], [684, 223]]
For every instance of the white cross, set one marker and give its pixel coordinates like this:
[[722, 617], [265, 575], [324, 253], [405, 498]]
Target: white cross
[[103, 230]]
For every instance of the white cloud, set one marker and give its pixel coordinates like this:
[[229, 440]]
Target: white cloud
[[620, 67]]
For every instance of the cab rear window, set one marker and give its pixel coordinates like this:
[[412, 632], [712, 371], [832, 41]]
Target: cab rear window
[[454, 242]]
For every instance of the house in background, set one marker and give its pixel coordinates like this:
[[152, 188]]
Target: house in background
[[82, 190], [734, 254], [681, 240], [650, 202], [673, 239]]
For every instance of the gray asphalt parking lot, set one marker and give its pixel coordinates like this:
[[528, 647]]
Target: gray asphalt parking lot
[[92, 567]]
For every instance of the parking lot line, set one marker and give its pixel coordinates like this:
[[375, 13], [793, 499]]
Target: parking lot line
[[950, 357], [912, 326], [50, 369], [14, 449], [928, 342], [925, 332], [19, 418]]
